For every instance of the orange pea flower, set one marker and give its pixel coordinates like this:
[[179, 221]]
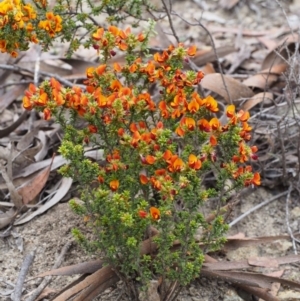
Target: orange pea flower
[[101, 69], [243, 116], [192, 50], [193, 106], [230, 111], [155, 213], [143, 179], [114, 185], [150, 159], [204, 125], [213, 140], [256, 179], [194, 162], [215, 123], [98, 34], [142, 214], [92, 128], [47, 114], [211, 104]]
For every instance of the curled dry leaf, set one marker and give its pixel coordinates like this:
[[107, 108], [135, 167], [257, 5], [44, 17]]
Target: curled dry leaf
[[6, 218], [31, 189], [6, 131], [281, 51], [236, 90], [60, 193], [256, 99], [10, 96]]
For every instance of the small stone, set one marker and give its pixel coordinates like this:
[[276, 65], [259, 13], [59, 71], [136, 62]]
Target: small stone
[[295, 212]]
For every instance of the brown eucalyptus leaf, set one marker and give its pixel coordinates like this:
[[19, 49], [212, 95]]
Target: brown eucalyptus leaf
[[249, 279], [226, 265], [233, 243], [205, 56], [237, 90], [267, 42], [281, 52], [275, 69], [263, 262], [47, 291], [261, 81], [256, 99], [31, 189], [63, 189], [208, 69], [88, 267], [100, 278]]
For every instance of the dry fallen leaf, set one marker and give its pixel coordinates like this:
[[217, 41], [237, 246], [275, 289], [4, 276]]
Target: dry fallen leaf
[[64, 187], [256, 99], [31, 189], [263, 262], [236, 90]]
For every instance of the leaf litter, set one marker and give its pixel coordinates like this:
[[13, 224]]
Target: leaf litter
[[268, 88]]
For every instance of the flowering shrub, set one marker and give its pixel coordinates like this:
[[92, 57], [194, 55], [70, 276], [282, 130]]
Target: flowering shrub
[[36, 21], [158, 151]]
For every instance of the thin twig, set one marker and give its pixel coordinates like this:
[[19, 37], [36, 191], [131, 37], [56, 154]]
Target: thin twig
[[23, 272], [257, 207], [48, 279], [287, 219], [168, 12]]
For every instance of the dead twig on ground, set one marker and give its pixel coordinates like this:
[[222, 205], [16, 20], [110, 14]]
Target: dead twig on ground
[[48, 279], [287, 219], [258, 207], [23, 272]]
